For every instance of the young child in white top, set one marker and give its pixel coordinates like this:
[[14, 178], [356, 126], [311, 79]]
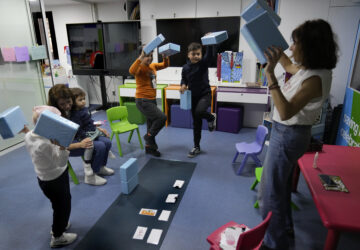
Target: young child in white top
[[50, 163]]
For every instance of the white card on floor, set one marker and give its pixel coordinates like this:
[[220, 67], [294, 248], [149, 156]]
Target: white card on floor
[[178, 184], [171, 198], [154, 236], [164, 216], [140, 233], [148, 211]]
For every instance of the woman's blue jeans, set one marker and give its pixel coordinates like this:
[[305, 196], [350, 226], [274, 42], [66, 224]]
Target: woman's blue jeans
[[287, 145]]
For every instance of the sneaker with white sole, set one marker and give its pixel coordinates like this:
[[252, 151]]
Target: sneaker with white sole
[[94, 180], [212, 124], [63, 240], [193, 152], [66, 228], [106, 171], [111, 155], [87, 169]]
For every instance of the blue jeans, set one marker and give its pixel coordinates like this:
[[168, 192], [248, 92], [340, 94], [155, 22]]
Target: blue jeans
[[287, 145], [102, 146]]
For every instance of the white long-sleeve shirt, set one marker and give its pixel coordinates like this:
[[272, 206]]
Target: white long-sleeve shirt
[[48, 159]]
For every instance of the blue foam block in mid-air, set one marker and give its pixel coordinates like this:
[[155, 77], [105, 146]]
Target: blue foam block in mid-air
[[12, 121], [129, 169], [154, 43], [169, 49], [214, 38], [257, 8], [53, 126]]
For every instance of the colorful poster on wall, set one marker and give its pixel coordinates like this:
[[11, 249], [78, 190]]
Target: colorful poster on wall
[[22, 54], [349, 132], [8, 54]]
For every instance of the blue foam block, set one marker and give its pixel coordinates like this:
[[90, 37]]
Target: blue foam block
[[154, 43], [180, 118], [129, 169], [169, 49], [12, 121], [261, 33], [185, 100], [53, 126], [128, 186], [257, 8], [214, 38]]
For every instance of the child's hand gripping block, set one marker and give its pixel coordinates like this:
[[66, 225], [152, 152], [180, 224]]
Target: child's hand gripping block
[[53, 126], [169, 49], [261, 33], [257, 8], [153, 44], [129, 176], [214, 38], [12, 121], [185, 100]]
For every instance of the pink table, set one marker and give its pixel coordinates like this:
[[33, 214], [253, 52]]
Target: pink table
[[338, 211]]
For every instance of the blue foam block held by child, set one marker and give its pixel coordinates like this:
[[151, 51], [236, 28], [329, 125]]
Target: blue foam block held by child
[[53, 126], [128, 186], [169, 49], [128, 170], [214, 38], [261, 33], [153, 44], [185, 100], [12, 121], [257, 8]]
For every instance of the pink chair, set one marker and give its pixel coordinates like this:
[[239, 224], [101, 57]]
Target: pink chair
[[251, 149], [248, 240]]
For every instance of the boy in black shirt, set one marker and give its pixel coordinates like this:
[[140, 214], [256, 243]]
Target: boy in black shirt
[[195, 77]]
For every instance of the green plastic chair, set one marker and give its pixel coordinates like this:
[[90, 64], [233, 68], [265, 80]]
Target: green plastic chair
[[72, 174], [117, 117], [258, 173]]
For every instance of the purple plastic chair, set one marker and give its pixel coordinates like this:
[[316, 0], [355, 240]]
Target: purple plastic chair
[[251, 149]]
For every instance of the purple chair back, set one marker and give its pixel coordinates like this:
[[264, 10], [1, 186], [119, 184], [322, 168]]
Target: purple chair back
[[261, 134]]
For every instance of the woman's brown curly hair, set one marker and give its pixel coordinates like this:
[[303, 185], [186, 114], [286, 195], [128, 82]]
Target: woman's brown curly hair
[[59, 91]]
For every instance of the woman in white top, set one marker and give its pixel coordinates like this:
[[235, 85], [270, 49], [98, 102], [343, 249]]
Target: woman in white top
[[297, 105]]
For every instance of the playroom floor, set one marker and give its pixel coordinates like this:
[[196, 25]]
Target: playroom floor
[[214, 196]]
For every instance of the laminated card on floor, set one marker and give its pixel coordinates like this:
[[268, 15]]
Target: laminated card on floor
[[154, 236], [164, 216], [261, 33], [140, 233]]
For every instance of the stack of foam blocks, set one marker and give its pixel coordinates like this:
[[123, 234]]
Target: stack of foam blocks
[[129, 176]]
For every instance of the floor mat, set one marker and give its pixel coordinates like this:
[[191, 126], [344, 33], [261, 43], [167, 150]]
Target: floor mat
[[116, 227]]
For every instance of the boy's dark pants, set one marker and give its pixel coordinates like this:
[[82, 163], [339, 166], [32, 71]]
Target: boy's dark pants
[[58, 192], [199, 106], [155, 119]]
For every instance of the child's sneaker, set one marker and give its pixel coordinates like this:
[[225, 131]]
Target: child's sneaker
[[193, 152], [150, 141], [94, 180], [63, 240], [152, 151], [105, 171], [87, 169], [66, 228], [111, 155], [212, 124]]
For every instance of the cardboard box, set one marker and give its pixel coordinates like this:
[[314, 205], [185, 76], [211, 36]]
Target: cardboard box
[[12, 121], [169, 49], [214, 38], [53, 126]]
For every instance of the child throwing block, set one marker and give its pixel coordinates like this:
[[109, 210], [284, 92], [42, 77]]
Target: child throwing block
[[12, 121], [129, 176], [153, 44], [53, 126]]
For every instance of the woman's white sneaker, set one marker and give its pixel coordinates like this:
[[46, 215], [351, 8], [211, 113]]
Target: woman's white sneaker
[[94, 180], [63, 240], [105, 171], [87, 169]]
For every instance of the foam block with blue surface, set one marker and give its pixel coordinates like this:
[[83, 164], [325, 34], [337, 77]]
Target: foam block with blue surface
[[257, 8], [12, 121], [185, 100], [128, 186], [169, 49], [129, 169], [261, 33], [153, 44], [53, 126], [214, 38]]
